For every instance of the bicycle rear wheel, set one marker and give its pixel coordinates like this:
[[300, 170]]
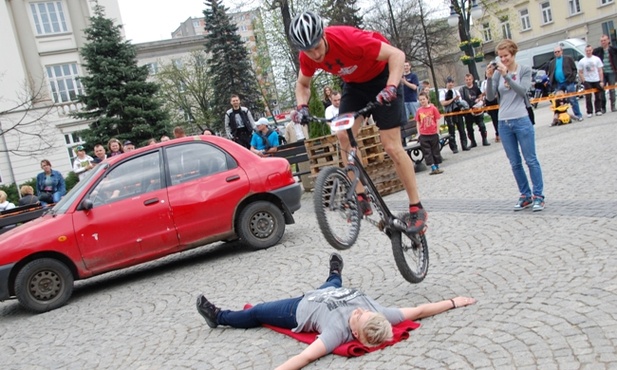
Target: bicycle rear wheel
[[410, 255], [337, 216]]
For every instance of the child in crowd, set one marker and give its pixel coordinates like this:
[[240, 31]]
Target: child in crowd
[[427, 117], [560, 106]]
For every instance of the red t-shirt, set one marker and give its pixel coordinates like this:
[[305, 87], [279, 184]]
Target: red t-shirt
[[427, 118], [352, 55]]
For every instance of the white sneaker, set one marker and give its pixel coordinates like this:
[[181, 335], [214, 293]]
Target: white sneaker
[[589, 115], [598, 113]]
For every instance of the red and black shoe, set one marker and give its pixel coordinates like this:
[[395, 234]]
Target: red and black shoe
[[416, 222], [364, 205]]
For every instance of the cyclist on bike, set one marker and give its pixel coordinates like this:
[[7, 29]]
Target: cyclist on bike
[[371, 69]]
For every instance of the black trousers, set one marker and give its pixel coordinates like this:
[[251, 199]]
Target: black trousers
[[470, 119], [456, 123], [599, 102], [430, 147]]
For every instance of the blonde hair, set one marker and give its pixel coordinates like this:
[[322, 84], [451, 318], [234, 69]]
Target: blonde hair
[[2, 196], [26, 190], [508, 45], [375, 331]]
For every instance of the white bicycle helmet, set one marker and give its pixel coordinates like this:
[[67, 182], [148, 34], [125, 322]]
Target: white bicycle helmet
[[306, 30]]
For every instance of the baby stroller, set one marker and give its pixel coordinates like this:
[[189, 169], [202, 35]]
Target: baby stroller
[[560, 106]]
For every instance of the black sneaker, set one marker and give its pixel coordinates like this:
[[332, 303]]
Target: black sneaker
[[208, 311], [336, 264], [364, 206], [416, 222]]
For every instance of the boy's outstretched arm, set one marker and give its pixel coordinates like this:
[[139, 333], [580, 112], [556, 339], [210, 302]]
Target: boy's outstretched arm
[[430, 309], [311, 353]]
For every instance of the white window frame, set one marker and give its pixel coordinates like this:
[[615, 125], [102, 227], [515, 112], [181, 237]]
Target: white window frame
[[606, 2], [64, 86], [504, 24], [72, 140], [48, 18], [574, 7], [153, 68], [487, 36], [525, 20], [547, 13]]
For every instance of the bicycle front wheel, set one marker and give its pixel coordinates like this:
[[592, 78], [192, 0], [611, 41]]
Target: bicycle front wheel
[[337, 216], [410, 255]]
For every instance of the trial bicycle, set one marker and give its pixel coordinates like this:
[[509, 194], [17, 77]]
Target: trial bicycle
[[338, 214]]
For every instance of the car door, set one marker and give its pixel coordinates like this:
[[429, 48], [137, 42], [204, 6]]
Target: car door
[[206, 185], [130, 220]]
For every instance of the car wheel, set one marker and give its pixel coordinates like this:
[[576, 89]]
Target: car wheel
[[43, 285], [261, 225]]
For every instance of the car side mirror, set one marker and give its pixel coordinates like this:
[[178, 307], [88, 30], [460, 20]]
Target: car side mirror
[[86, 205]]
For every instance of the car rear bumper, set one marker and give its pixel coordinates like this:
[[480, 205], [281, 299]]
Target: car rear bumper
[[5, 271], [291, 196]]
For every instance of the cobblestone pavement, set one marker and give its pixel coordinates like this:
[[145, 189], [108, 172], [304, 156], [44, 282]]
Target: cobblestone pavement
[[546, 282]]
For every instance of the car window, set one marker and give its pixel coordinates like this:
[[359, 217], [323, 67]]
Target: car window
[[190, 161], [130, 178]]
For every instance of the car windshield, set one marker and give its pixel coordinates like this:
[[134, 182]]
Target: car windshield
[[75, 193]]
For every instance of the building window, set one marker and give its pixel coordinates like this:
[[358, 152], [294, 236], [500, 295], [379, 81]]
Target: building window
[[153, 68], [63, 82], [196, 24], [178, 63], [72, 140], [525, 22], [604, 2], [48, 17], [574, 6], [547, 15], [486, 32], [505, 27], [608, 28]]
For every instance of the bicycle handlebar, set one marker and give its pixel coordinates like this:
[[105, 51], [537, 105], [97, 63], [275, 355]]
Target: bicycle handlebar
[[370, 106]]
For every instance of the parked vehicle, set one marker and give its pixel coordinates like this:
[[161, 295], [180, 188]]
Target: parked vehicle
[[538, 57], [143, 205]]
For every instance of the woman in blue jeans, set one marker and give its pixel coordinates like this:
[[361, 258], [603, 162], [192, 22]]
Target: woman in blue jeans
[[510, 82], [50, 185]]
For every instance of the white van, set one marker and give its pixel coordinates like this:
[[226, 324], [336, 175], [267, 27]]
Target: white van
[[539, 56]]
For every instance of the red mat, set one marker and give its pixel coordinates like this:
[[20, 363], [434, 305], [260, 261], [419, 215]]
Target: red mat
[[353, 348]]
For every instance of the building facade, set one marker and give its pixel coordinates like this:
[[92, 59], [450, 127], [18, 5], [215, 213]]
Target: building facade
[[38, 82], [533, 23]]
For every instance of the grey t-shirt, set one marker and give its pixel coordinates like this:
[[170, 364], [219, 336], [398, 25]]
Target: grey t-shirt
[[512, 92], [327, 311]]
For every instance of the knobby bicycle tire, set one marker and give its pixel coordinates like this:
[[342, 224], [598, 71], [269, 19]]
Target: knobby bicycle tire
[[338, 217], [411, 256]]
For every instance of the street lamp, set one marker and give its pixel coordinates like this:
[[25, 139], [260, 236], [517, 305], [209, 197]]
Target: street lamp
[[461, 14]]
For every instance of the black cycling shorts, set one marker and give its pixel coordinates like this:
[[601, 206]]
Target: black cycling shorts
[[356, 96]]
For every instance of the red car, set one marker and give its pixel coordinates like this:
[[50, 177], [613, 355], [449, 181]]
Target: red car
[[143, 205]]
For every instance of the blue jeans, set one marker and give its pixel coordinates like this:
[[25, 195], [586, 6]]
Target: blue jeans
[[520, 132], [281, 313], [571, 87], [411, 107]]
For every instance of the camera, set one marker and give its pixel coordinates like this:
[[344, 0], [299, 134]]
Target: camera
[[493, 63]]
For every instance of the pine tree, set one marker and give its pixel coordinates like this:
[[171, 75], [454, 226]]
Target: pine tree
[[117, 98], [229, 65], [342, 12]]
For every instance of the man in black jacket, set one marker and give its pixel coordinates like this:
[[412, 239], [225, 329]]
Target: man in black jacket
[[608, 56], [239, 123], [562, 72]]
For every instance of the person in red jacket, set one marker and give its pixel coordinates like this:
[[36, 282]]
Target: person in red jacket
[[371, 69]]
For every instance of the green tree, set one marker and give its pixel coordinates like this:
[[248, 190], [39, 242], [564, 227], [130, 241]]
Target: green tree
[[316, 108], [229, 65], [118, 99], [342, 12], [187, 92]]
